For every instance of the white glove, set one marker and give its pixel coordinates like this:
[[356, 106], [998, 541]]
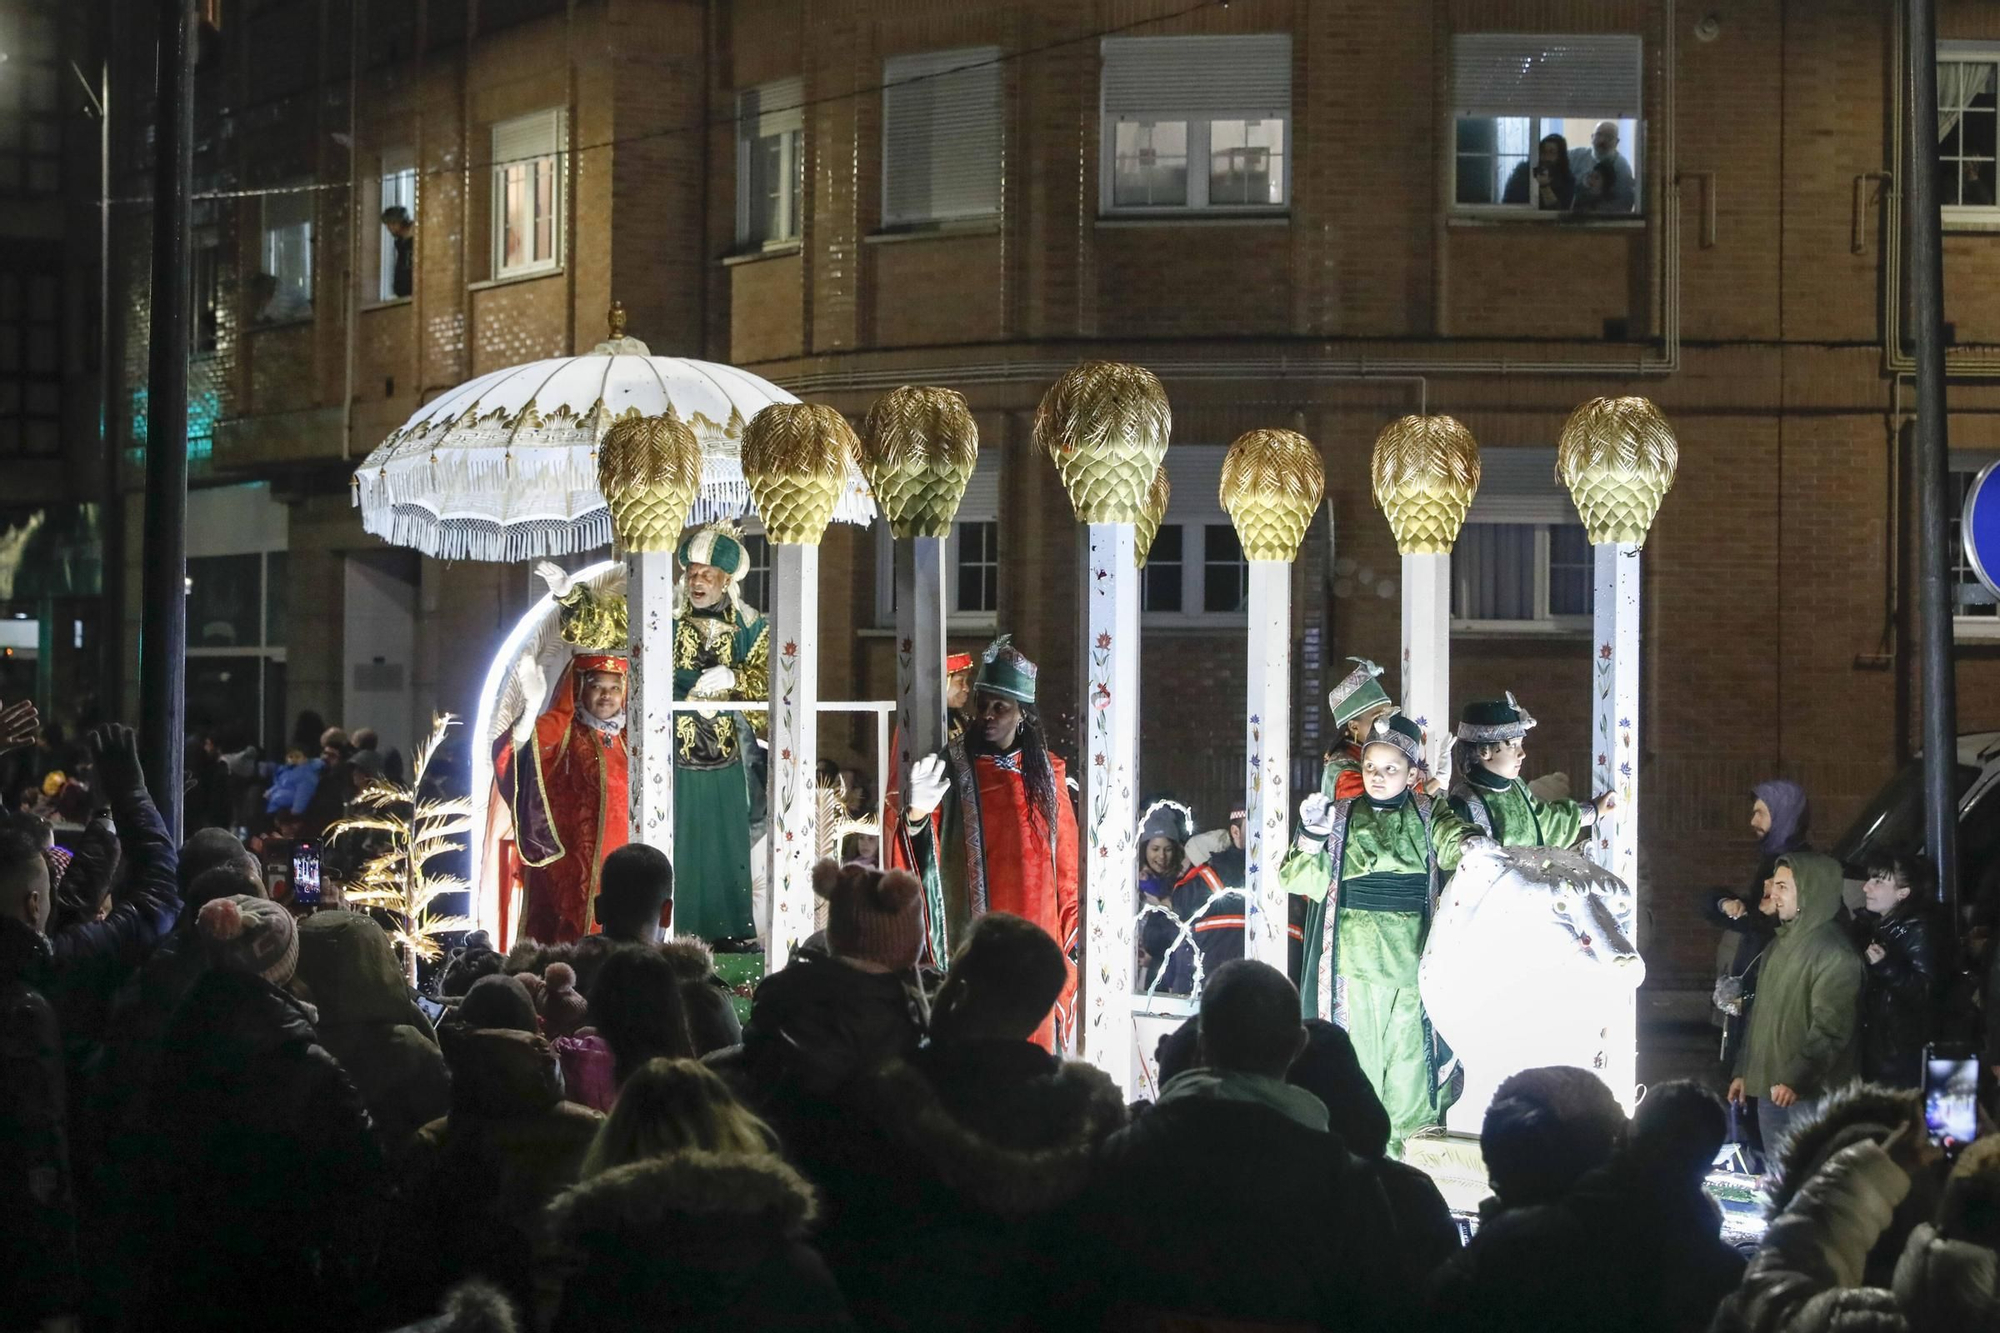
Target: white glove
[[714, 683], [928, 784], [1316, 816], [534, 688], [556, 577]]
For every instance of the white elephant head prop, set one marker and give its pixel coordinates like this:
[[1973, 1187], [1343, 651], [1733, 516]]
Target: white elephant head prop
[[1530, 962]]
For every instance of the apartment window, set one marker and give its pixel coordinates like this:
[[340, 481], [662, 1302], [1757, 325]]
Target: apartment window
[[236, 611], [1966, 76], [757, 582], [1196, 573], [30, 107], [1547, 124], [527, 194], [941, 136], [770, 163], [1522, 563], [396, 240], [971, 556], [1162, 582], [1975, 612], [1196, 124], [30, 372], [285, 285]]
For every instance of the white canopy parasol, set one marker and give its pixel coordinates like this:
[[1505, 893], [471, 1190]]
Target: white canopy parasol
[[504, 467]]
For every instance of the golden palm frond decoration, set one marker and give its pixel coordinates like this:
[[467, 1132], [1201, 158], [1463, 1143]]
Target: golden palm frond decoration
[[795, 457], [1158, 496], [1618, 457], [1425, 472], [918, 448], [1272, 483], [413, 831], [1105, 424], [594, 621], [649, 469]]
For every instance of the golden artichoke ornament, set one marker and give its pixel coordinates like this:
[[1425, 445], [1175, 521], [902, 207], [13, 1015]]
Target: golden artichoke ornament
[[795, 458], [918, 448], [1425, 472], [1617, 456], [1105, 425], [593, 621], [1272, 483], [1148, 527], [649, 469]]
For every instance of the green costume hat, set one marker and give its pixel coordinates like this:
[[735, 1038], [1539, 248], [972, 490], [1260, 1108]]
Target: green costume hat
[[1400, 732], [1357, 692], [1492, 720], [717, 544], [1003, 670]]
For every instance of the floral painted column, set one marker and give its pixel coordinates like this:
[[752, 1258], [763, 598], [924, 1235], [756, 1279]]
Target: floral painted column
[[795, 457], [1617, 456], [1272, 484], [1105, 425]]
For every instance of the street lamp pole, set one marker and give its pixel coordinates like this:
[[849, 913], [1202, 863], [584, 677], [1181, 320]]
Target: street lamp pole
[[111, 519]]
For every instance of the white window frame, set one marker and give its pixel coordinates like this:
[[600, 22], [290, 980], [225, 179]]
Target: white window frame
[[1972, 217], [1194, 507], [1632, 115], [1196, 101], [395, 183], [551, 127], [271, 247], [980, 505], [1965, 466], [899, 73], [771, 111], [1518, 488]]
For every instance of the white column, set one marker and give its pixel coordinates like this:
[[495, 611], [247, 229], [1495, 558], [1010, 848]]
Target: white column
[[649, 718], [1427, 655], [1110, 778], [1614, 732], [1267, 799], [794, 807], [920, 617]]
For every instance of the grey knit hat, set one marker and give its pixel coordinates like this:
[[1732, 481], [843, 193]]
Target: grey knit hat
[[254, 935]]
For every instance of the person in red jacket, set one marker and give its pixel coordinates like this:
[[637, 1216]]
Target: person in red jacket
[[1004, 837]]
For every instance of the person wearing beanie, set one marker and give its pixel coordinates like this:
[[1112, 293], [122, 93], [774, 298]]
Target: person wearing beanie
[[635, 896], [1369, 869], [258, 1140], [563, 1009], [1164, 830], [713, 1024], [1488, 792], [873, 918], [480, 1175], [1355, 704], [991, 825]]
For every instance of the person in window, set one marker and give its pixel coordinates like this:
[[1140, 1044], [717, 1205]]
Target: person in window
[[1619, 191], [402, 228], [1551, 186], [1976, 186]]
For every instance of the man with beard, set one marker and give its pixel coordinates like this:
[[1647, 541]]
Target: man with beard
[[990, 819], [564, 776], [722, 651]]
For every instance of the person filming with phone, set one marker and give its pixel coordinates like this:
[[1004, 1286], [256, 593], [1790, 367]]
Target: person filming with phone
[[1899, 951]]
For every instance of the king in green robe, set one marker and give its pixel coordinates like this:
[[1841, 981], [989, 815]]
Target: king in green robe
[[1489, 793]]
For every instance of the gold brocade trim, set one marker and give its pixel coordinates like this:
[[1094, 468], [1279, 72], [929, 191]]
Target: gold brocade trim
[[686, 734], [754, 680]]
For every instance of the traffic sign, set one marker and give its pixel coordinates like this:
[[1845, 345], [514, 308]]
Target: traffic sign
[[1980, 525]]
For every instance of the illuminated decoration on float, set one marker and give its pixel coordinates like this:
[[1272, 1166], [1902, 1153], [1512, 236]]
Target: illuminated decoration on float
[[1425, 471], [1272, 485], [1105, 425]]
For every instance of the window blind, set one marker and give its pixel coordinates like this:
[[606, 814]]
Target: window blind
[[525, 137], [982, 491], [1520, 486], [1198, 76], [772, 109], [941, 135], [1195, 473], [1529, 74]]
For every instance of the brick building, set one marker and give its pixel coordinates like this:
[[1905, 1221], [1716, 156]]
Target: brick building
[[845, 196]]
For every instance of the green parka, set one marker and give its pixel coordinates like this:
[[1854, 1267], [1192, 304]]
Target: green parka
[[1804, 1027]]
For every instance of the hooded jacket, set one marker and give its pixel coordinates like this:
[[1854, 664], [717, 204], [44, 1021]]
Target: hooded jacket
[[348, 970], [1898, 995], [38, 1260], [695, 1241], [1803, 1029]]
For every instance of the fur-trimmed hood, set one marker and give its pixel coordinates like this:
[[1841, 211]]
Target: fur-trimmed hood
[[1004, 1125], [644, 1203], [1808, 1148], [1948, 1283], [691, 959]]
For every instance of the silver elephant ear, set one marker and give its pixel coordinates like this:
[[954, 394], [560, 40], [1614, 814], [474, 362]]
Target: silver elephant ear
[[1381, 725], [1511, 703]]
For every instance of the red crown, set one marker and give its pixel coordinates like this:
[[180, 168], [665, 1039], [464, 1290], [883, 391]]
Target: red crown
[[601, 662]]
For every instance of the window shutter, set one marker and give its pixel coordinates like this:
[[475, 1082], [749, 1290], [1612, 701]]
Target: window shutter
[[1528, 74], [772, 109], [941, 135], [1195, 473], [1198, 76], [537, 135], [1520, 486], [982, 491]]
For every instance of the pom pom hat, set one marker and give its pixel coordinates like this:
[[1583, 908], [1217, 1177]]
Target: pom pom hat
[[871, 917], [254, 935]]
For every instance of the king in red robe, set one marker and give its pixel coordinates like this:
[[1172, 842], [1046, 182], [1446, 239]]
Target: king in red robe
[[566, 783], [991, 825]]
